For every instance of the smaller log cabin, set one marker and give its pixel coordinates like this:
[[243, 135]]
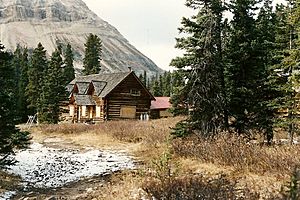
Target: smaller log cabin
[[108, 96], [160, 108]]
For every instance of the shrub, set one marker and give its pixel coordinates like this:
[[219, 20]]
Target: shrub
[[181, 129], [234, 151], [164, 182]]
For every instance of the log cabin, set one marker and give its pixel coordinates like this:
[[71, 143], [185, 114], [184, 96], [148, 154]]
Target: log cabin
[[108, 96], [160, 108]]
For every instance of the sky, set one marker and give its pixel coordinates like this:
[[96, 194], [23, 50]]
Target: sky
[[149, 25]]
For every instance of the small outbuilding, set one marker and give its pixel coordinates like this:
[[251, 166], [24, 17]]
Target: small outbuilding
[[160, 108]]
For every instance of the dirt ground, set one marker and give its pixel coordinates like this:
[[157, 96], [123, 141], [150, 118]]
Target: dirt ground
[[83, 189]]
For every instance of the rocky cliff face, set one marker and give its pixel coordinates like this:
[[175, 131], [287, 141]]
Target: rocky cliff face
[[27, 22]]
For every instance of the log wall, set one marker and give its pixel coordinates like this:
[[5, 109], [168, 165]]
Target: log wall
[[122, 96]]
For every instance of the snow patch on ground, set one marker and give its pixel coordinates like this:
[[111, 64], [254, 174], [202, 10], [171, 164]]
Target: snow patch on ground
[[44, 167], [7, 195]]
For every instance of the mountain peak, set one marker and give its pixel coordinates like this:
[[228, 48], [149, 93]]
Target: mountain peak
[[28, 22], [46, 10]]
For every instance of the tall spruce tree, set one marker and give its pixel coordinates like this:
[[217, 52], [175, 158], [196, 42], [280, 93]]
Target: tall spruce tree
[[178, 93], [203, 56], [145, 78], [16, 63], [20, 64], [167, 85], [291, 65], [68, 71], [284, 75], [243, 71], [161, 84], [53, 91], [156, 89], [93, 51], [141, 77], [265, 25], [10, 136], [36, 74]]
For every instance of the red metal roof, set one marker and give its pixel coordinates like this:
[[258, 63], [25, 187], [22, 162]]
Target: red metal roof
[[161, 103]]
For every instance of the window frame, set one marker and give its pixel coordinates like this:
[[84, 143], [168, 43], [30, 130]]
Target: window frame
[[135, 92]]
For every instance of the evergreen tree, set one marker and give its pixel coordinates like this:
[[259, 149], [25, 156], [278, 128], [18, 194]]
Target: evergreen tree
[[141, 77], [167, 85], [20, 64], [161, 85], [16, 63], [178, 93], [266, 25], [68, 72], [177, 79], [284, 75], [10, 136], [53, 91], [148, 83], [36, 74], [145, 78], [243, 71], [203, 47], [93, 49], [156, 89]]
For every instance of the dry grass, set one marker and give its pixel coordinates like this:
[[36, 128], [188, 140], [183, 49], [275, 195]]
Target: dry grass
[[197, 187], [233, 151], [151, 132], [143, 139], [247, 166], [122, 186], [169, 179], [8, 182], [266, 185]]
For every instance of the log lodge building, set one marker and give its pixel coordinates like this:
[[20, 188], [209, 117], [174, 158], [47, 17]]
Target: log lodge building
[[108, 96]]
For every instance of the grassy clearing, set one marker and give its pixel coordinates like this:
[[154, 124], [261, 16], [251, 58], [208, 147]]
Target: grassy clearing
[[227, 163], [277, 160], [143, 139], [151, 133]]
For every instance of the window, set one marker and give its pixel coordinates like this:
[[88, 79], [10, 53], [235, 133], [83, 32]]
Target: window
[[72, 110], [98, 111], [135, 92], [83, 111], [128, 112]]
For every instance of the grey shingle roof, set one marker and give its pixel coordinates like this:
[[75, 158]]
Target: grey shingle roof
[[84, 100], [82, 86], [110, 81], [69, 88], [99, 86]]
